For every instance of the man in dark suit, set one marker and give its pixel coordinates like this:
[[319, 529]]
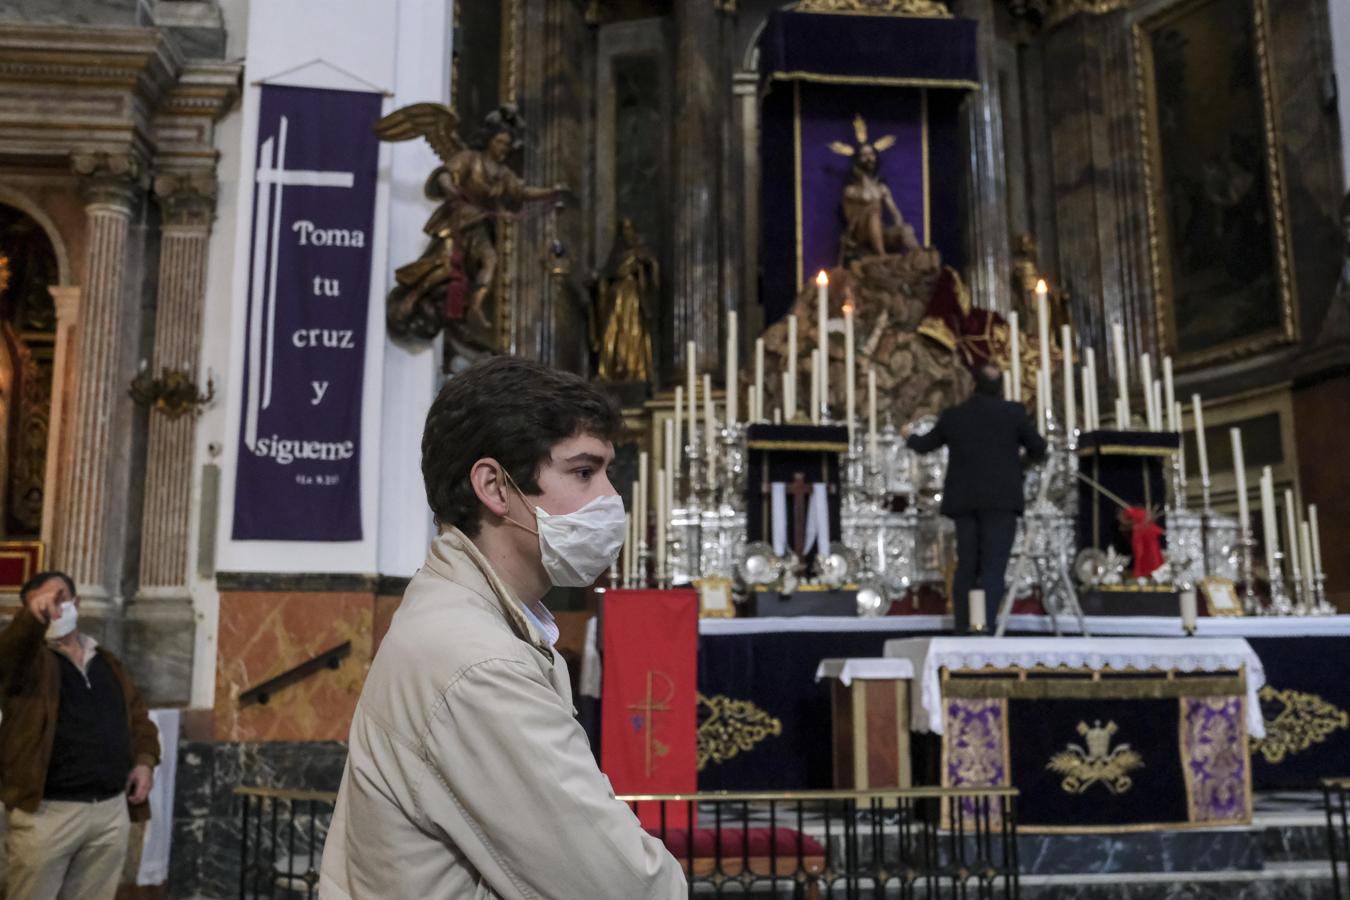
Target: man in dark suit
[[983, 489]]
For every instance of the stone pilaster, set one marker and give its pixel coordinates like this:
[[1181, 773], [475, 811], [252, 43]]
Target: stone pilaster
[[88, 536], [700, 99]]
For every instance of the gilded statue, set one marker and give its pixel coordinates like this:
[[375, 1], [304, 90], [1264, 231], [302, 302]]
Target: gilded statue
[[449, 285], [867, 202], [626, 295]]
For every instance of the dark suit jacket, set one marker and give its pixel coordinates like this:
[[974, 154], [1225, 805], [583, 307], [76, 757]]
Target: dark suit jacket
[[984, 465]]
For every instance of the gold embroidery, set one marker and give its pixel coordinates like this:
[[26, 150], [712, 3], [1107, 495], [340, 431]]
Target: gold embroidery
[[732, 727], [1084, 766], [1303, 720], [1217, 770]]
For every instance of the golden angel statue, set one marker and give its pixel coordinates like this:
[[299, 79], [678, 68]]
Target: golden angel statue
[[450, 283], [867, 201], [625, 302]]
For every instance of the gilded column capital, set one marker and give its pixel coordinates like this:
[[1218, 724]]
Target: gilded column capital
[[187, 199], [111, 180], [1048, 14]]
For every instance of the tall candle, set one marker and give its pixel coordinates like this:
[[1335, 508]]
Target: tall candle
[[1291, 529], [1157, 405], [975, 603], [661, 489], [1305, 546], [733, 371], [1086, 380], [1199, 424], [1015, 352], [1188, 611], [815, 386], [1239, 477], [759, 379], [1043, 337], [872, 415], [677, 455], [673, 451], [1146, 376], [691, 385], [850, 381], [1066, 344], [1042, 395], [787, 388], [1122, 376], [1170, 395], [1181, 450], [823, 315], [1316, 538], [643, 497], [1272, 540], [1007, 385], [709, 416], [1090, 392], [790, 395], [626, 551]]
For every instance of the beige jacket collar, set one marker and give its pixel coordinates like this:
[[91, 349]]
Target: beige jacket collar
[[457, 559]]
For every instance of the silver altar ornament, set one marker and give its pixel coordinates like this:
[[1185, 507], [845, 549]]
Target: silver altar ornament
[[871, 599], [759, 565], [1089, 567], [835, 569]]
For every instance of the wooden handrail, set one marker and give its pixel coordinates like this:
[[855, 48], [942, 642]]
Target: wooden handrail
[[328, 659]]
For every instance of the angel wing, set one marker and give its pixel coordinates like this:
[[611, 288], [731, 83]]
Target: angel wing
[[434, 121], [884, 143], [841, 148]]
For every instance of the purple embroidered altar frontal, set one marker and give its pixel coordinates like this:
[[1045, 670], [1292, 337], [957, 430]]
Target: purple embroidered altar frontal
[[1102, 751]]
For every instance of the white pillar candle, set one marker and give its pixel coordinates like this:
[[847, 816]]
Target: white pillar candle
[[1157, 405], [709, 415], [1091, 397], [850, 381], [1043, 338], [1188, 611], [661, 488], [872, 415], [1146, 376], [1272, 540], [1305, 547], [1181, 450], [1316, 539], [759, 379], [787, 388], [1015, 352], [732, 371], [790, 395], [1086, 381], [626, 552], [823, 315], [978, 620], [1239, 476], [1295, 570], [815, 386], [778, 415], [1042, 395], [1007, 385], [643, 497], [673, 451], [1200, 449], [691, 385], [1170, 395], [1070, 413], [1122, 377], [677, 456]]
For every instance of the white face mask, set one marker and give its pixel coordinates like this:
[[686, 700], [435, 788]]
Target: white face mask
[[577, 547], [65, 623]]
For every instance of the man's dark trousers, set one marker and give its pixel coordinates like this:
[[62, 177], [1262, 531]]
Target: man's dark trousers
[[984, 540]]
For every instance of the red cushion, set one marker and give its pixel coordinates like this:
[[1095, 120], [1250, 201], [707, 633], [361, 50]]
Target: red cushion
[[784, 842]]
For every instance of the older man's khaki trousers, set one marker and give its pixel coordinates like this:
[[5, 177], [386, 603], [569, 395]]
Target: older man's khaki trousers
[[67, 851]]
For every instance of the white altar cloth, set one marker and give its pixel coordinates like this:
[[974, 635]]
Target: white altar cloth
[[930, 656], [847, 671]]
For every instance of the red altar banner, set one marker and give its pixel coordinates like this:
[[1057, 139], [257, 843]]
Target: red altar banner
[[649, 697]]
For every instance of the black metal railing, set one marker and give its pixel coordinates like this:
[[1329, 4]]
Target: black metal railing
[[808, 845], [1336, 793], [281, 841], [921, 842]]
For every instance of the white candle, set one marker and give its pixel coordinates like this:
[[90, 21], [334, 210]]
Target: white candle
[[1090, 392], [1070, 413], [790, 395], [1291, 529], [1157, 405], [823, 314], [978, 620], [1181, 450], [1086, 380], [643, 497], [1042, 392], [759, 379], [815, 386], [691, 385], [1043, 337], [1146, 376], [1122, 377], [1239, 477], [1170, 395], [1200, 449], [872, 415], [850, 381], [1015, 352], [1305, 546], [787, 388], [1188, 611], [626, 552], [672, 453], [1316, 539], [709, 416], [661, 487], [1272, 540], [1007, 385], [733, 371], [677, 455], [778, 415]]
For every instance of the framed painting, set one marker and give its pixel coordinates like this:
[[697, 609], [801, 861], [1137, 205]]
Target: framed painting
[[1218, 235]]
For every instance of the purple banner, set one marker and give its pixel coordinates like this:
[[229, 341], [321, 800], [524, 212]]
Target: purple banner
[[299, 470], [826, 116]]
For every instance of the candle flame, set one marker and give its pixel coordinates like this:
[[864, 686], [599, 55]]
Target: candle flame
[[848, 309], [822, 278], [1041, 286]]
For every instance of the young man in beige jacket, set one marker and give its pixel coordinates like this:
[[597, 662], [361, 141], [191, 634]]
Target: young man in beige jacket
[[468, 774]]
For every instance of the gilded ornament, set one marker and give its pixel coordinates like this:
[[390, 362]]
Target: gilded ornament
[[1096, 761], [930, 8], [4, 273], [732, 727], [1303, 720]]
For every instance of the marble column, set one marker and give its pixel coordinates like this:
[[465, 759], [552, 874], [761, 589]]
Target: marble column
[[89, 536], [698, 126], [988, 245]]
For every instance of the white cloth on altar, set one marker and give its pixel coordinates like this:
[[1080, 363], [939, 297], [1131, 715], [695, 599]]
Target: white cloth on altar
[[778, 517], [818, 521], [930, 656], [154, 868], [847, 671]]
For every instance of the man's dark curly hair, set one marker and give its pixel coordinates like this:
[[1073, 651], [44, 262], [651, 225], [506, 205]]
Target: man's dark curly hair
[[511, 410]]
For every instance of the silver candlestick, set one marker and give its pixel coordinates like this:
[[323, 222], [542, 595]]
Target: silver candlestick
[[1280, 604], [1320, 605], [1251, 603]]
